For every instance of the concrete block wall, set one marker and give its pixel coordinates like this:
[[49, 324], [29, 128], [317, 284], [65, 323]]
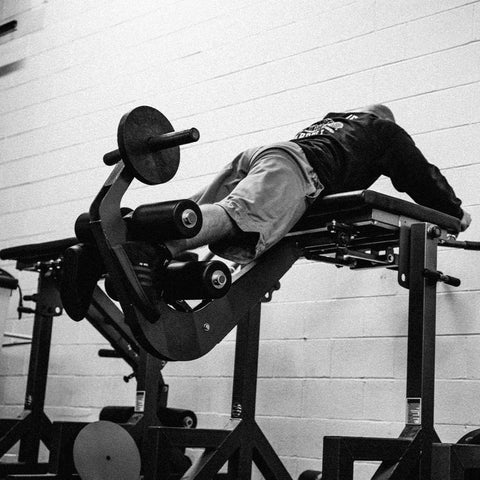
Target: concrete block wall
[[244, 73]]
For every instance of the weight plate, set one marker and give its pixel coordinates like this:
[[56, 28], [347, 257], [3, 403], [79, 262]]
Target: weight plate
[[105, 450], [134, 131], [310, 475], [471, 438]]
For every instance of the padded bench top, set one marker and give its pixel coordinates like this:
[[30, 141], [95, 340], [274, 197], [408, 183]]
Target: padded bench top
[[37, 252], [362, 201], [321, 212]]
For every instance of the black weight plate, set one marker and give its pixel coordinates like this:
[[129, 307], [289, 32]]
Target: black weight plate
[[134, 131], [310, 475], [471, 438]]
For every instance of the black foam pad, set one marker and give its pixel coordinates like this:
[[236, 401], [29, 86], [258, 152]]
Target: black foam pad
[[362, 201]]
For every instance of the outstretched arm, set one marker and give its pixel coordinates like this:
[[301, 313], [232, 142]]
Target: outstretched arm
[[410, 172]]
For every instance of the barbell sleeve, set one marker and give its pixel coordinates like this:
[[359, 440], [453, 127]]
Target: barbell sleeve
[[173, 139], [160, 142]]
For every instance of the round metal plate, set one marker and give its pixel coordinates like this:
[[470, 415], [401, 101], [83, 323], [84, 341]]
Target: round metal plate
[[134, 131], [104, 450]]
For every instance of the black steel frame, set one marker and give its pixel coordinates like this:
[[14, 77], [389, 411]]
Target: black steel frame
[[33, 426], [241, 443], [410, 455]]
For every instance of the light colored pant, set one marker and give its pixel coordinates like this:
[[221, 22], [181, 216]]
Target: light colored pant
[[265, 191]]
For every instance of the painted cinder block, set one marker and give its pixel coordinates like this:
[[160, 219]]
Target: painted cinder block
[[360, 358], [78, 391], [284, 434], [457, 313], [14, 358], [454, 147], [333, 318], [333, 399], [330, 282], [295, 358], [318, 358], [427, 73], [390, 12], [472, 356], [456, 402], [284, 320], [384, 400], [66, 332], [457, 102], [476, 22], [453, 358], [441, 31], [84, 360], [214, 395], [14, 389], [277, 396]]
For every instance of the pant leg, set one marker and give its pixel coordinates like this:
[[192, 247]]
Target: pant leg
[[265, 191]]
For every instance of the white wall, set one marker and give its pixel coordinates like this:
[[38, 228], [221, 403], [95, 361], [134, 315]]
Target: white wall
[[247, 72]]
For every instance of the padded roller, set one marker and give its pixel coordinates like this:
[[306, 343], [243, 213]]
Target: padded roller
[[83, 232], [177, 417], [116, 414], [165, 221], [197, 280]]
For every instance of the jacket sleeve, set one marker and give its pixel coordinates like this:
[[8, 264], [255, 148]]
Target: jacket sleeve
[[410, 172]]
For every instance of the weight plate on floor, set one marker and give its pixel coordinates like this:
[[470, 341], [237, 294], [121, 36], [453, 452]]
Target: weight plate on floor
[[105, 450], [471, 438], [134, 131]]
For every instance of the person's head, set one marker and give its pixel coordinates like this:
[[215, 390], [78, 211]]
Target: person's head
[[381, 111]]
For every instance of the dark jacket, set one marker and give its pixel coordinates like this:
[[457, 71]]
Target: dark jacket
[[349, 151]]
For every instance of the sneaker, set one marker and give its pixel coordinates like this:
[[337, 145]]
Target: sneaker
[[148, 262]]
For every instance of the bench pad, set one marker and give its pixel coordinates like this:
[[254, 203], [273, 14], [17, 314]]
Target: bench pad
[[362, 201]]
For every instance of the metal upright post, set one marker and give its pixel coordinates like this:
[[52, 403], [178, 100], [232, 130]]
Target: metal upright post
[[416, 462], [244, 391], [421, 342], [47, 302]]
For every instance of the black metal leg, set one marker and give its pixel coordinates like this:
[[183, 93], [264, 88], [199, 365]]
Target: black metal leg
[[337, 462], [47, 299], [409, 456], [33, 425], [241, 442], [421, 342]]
